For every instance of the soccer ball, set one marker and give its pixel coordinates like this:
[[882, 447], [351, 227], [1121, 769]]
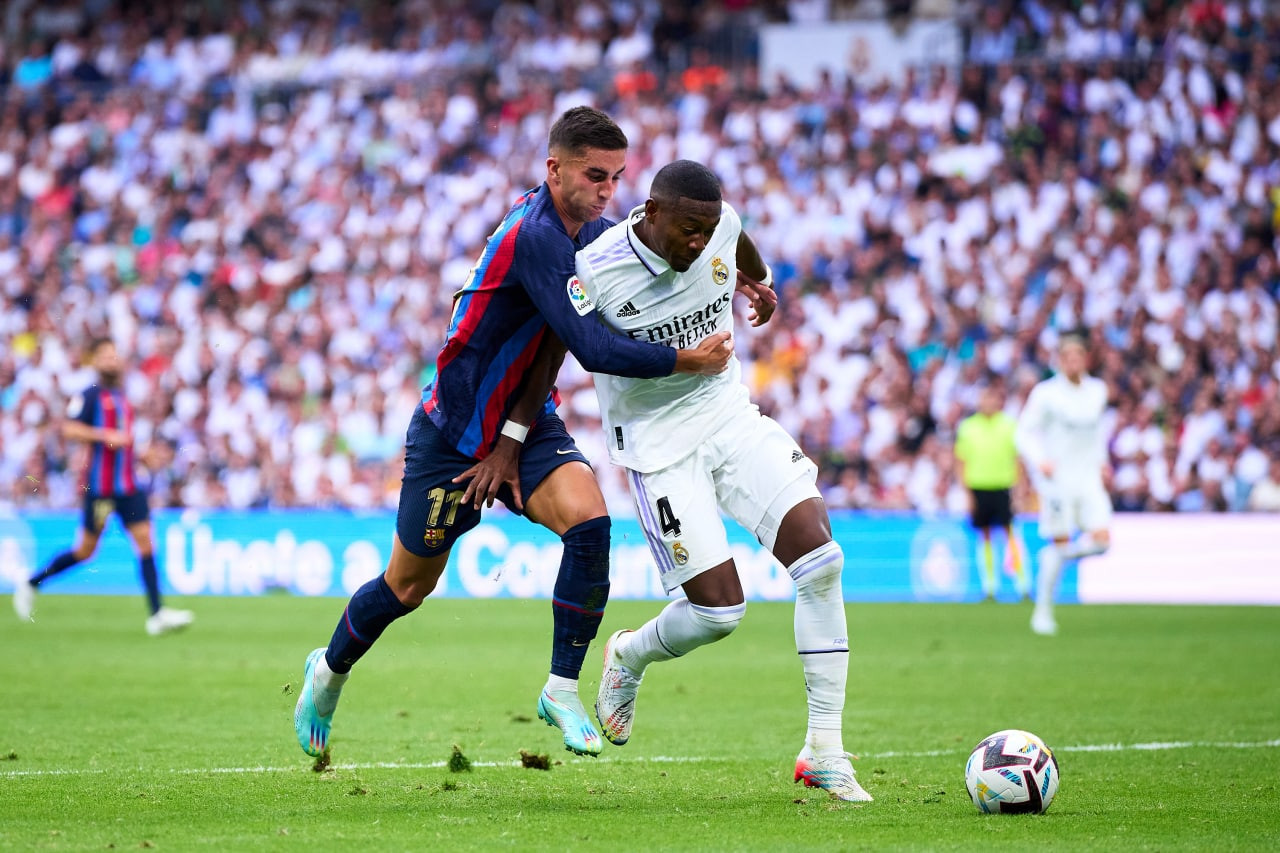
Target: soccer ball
[[1011, 772]]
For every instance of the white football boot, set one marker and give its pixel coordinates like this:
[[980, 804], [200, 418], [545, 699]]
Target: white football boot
[[165, 620], [833, 774], [616, 700], [24, 601]]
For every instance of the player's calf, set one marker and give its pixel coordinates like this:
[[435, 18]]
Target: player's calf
[[680, 628], [822, 641]]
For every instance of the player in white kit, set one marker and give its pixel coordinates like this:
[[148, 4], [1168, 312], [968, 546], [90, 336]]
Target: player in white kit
[[693, 446], [1061, 437]]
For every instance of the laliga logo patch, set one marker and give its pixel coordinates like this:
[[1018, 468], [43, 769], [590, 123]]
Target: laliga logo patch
[[578, 297], [680, 553], [719, 271]]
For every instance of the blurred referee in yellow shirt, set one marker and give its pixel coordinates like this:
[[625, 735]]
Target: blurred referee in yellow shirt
[[988, 462]]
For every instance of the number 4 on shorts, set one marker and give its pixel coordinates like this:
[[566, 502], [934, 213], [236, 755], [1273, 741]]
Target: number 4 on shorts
[[666, 518]]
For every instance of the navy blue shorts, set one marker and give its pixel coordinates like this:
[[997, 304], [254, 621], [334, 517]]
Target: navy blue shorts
[[431, 515], [96, 509]]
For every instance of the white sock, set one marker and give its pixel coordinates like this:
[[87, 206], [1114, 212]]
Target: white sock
[[326, 687], [825, 742], [822, 640], [559, 684], [680, 628], [1083, 546], [1051, 559]]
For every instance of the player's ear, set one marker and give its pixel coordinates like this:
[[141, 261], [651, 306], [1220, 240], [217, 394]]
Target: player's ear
[[553, 169], [650, 208]]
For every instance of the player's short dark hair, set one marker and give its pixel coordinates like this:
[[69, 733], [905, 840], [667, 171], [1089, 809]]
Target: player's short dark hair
[[686, 179], [1074, 337], [96, 343], [585, 127]]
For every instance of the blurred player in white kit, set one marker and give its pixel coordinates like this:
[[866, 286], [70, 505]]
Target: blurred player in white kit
[[1061, 437]]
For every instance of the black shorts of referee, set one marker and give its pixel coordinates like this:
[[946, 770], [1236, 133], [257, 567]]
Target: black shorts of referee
[[991, 508]]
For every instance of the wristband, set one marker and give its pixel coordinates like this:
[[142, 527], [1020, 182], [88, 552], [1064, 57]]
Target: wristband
[[767, 281], [511, 429]]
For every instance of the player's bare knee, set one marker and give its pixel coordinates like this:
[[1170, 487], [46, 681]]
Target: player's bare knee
[[411, 577], [412, 592], [804, 528]]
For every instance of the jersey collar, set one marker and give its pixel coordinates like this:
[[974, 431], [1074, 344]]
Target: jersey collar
[[652, 261]]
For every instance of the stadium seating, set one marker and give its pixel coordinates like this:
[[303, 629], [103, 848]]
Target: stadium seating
[[270, 215]]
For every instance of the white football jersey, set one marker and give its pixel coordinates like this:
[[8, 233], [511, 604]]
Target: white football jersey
[[1063, 422], [652, 423]]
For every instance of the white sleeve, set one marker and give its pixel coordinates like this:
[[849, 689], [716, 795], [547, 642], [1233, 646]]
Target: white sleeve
[[1104, 434], [1027, 434], [735, 221]]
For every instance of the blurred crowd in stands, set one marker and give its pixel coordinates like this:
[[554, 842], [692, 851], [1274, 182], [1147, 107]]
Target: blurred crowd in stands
[[268, 206]]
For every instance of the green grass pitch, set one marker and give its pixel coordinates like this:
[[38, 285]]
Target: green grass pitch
[[1165, 721]]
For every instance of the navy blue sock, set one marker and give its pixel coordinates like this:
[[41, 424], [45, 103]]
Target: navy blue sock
[[58, 564], [150, 581], [581, 591], [368, 613]]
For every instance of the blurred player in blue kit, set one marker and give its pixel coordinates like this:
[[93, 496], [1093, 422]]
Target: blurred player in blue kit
[[102, 417], [694, 446], [487, 429]]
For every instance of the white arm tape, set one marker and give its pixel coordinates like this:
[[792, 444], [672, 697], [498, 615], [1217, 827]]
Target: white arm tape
[[511, 429]]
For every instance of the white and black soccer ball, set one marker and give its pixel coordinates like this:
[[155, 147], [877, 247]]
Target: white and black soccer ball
[[1011, 772]]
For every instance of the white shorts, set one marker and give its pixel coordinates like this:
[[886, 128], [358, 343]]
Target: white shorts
[[753, 471], [1065, 509]]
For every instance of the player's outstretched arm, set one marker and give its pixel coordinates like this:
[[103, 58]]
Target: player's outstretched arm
[[564, 299], [755, 281], [1027, 435], [74, 430], [502, 465], [565, 303]]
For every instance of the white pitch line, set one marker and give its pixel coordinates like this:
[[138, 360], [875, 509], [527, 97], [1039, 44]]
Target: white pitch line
[[1158, 746], [369, 765]]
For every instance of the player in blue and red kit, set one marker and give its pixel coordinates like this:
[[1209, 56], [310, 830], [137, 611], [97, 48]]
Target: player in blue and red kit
[[101, 417], [489, 418]]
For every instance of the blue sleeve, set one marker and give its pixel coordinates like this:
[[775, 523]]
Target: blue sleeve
[[546, 268], [84, 407]]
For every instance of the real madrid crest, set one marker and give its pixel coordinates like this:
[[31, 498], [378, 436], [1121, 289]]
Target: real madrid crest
[[719, 271], [680, 553]]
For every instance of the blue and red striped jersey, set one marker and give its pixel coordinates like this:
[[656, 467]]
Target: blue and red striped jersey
[[523, 282], [109, 471]]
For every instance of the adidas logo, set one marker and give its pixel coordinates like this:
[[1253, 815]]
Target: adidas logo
[[629, 310], [796, 456]]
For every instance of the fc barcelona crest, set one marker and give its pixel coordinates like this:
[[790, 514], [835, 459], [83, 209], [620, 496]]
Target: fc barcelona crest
[[433, 537], [719, 271]]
